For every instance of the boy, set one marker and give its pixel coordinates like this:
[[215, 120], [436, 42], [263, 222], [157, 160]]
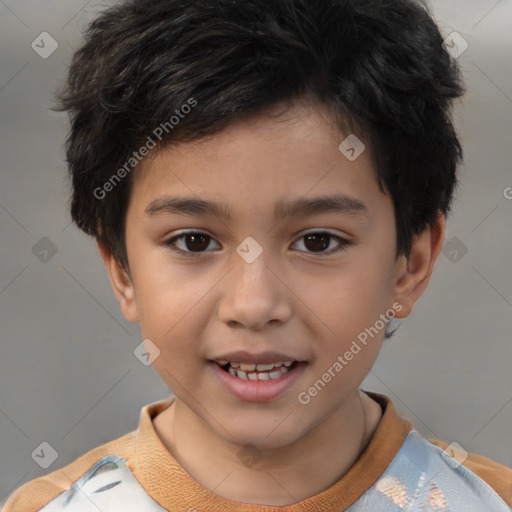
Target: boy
[[261, 128]]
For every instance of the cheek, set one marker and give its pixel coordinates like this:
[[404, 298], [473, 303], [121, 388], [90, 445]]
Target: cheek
[[173, 318], [165, 293], [371, 273], [353, 299], [348, 306]]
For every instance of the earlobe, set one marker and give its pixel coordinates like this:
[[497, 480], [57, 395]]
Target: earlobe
[[121, 284], [412, 273]]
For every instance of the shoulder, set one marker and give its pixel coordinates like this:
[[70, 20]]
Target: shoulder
[[423, 476], [496, 475], [35, 494]]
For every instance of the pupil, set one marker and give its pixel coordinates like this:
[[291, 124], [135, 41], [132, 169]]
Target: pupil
[[196, 239], [323, 236]]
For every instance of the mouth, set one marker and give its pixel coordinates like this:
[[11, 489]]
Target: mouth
[[254, 382], [252, 371]]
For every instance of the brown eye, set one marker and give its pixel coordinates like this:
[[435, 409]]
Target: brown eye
[[194, 242], [319, 241]]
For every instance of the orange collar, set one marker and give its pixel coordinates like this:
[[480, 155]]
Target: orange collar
[[173, 488]]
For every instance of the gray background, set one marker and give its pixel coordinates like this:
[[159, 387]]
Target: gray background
[[68, 375]]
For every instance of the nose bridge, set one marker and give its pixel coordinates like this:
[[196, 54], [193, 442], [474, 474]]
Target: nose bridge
[[250, 264], [254, 295]]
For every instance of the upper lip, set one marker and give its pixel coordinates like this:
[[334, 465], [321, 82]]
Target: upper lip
[[242, 356]]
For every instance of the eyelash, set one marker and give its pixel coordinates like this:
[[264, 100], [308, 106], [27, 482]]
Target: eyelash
[[343, 243]]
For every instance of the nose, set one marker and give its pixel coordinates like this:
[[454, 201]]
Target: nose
[[254, 295]]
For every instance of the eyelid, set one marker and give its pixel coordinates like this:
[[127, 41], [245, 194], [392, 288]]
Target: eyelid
[[322, 230]]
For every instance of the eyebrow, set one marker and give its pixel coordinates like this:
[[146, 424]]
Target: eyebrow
[[340, 204]]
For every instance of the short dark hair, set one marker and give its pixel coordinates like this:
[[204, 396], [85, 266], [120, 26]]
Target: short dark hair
[[378, 65]]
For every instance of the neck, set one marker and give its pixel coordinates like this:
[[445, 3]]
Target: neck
[[282, 476]]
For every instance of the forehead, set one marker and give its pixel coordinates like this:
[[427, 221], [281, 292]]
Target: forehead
[[260, 161]]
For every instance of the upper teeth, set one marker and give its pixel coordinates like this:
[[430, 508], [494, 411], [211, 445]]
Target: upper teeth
[[259, 367]]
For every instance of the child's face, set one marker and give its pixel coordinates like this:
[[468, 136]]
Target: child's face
[[294, 298]]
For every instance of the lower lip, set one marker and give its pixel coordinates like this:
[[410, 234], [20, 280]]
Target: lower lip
[[257, 390]]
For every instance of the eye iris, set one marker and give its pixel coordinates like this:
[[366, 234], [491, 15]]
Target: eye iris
[[315, 237], [195, 238]]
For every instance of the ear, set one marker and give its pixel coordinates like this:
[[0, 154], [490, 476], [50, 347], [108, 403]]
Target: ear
[[412, 273], [121, 284]]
